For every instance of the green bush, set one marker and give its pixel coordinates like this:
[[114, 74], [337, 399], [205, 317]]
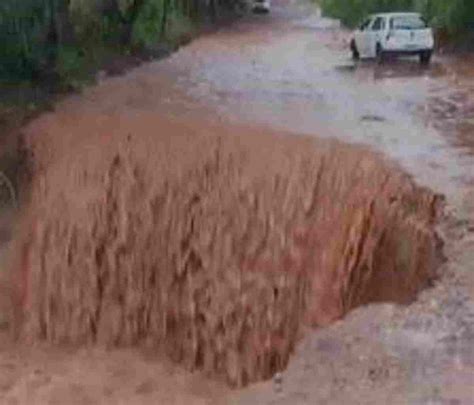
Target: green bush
[[24, 29], [72, 67], [60, 37], [179, 28], [452, 15], [147, 27]]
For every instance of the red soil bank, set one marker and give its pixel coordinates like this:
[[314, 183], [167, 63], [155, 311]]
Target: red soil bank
[[216, 247]]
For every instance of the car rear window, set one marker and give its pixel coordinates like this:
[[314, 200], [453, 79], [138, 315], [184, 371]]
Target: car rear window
[[409, 22]]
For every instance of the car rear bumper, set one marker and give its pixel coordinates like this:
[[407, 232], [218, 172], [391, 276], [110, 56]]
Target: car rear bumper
[[407, 52], [261, 7]]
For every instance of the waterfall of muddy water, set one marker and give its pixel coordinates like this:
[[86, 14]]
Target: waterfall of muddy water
[[216, 245]]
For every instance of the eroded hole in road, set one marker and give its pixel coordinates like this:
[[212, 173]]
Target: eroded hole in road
[[216, 245]]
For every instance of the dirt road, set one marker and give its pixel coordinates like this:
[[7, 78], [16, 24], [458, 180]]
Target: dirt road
[[290, 71]]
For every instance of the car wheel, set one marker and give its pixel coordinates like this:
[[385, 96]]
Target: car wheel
[[425, 57], [354, 50], [379, 54]]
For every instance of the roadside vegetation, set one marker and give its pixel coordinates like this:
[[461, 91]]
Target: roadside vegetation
[[63, 40], [49, 47], [451, 17]]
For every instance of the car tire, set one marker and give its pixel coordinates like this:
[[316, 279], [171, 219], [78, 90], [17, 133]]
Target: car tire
[[379, 54], [354, 50], [425, 57]]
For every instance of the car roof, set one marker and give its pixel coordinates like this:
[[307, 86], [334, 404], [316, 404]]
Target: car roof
[[398, 14]]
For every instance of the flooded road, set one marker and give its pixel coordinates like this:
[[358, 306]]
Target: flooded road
[[287, 71], [291, 71]]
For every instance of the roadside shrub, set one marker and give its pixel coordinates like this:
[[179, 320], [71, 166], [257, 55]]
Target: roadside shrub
[[352, 12], [147, 27], [72, 67], [60, 39], [450, 15], [179, 28], [24, 27]]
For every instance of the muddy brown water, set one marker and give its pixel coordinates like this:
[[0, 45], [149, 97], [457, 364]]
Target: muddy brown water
[[100, 186], [188, 238]]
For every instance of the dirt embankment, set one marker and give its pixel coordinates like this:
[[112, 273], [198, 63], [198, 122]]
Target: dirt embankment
[[213, 246]]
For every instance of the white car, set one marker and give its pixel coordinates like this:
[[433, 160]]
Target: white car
[[262, 6], [393, 34]]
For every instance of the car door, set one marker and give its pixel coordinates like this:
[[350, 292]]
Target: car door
[[374, 36], [360, 37]]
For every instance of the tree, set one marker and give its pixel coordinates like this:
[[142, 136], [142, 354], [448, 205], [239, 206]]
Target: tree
[[56, 35]]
